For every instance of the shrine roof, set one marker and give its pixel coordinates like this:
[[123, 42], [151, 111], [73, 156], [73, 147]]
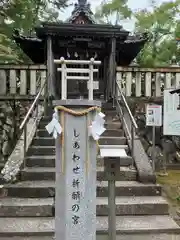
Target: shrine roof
[[126, 50], [81, 37], [70, 29]]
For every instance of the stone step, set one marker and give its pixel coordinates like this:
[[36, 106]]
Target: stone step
[[44, 189], [108, 132], [49, 161], [125, 225], [41, 150], [108, 117], [125, 161], [49, 141], [110, 112], [112, 141], [109, 124], [108, 106], [26, 207], [107, 112], [113, 133], [129, 188], [43, 141], [155, 236], [143, 205], [113, 125], [42, 173], [125, 174], [38, 174], [102, 146], [44, 122], [41, 161], [148, 236], [32, 207]]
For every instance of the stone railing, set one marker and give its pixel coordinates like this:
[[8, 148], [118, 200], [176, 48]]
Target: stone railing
[[147, 82], [21, 81]]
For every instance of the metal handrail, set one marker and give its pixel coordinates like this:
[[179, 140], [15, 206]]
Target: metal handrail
[[32, 107], [134, 127], [127, 107], [23, 125]]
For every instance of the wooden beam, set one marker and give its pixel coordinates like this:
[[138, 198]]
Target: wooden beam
[[112, 68], [143, 69], [50, 73], [22, 67]]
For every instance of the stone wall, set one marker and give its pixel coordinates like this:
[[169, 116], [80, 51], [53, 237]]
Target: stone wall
[[11, 114], [165, 145], [14, 163]]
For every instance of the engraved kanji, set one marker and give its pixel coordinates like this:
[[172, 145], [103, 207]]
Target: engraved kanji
[[75, 183], [76, 195]]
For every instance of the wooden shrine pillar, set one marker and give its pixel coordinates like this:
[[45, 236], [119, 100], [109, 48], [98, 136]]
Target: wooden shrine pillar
[[112, 69], [105, 77], [50, 70], [113, 53]]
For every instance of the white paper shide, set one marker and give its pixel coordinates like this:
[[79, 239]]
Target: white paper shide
[[54, 126], [97, 127]]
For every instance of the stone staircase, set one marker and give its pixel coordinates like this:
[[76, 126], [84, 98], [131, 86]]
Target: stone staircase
[[27, 207]]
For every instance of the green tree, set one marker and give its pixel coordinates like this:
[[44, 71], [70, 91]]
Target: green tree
[[115, 8], [24, 16], [161, 21], [6, 52]]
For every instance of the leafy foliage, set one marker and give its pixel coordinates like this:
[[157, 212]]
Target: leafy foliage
[[161, 21], [6, 53], [117, 8], [23, 16]]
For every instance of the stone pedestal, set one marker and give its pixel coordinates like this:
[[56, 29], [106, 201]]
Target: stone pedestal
[[75, 199]]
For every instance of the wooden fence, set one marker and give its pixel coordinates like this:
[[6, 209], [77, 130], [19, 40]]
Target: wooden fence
[[21, 80], [24, 80], [147, 82]]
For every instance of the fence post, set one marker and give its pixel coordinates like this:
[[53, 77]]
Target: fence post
[[63, 80], [91, 67]]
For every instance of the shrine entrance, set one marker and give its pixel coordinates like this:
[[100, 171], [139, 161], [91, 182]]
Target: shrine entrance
[[78, 73], [78, 78], [78, 45]]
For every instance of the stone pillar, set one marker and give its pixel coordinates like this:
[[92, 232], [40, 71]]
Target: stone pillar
[[75, 199]]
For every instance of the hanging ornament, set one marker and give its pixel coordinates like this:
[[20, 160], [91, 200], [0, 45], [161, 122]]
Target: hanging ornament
[[68, 54], [95, 56], [54, 126], [87, 54], [76, 54]]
